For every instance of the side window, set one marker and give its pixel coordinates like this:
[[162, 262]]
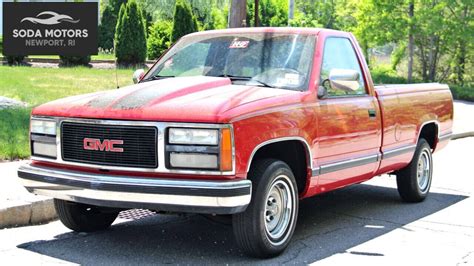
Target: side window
[[340, 59]]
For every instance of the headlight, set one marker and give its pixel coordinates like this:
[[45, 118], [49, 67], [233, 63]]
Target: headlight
[[44, 149], [43, 138], [43, 127], [193, 160], [210, 149], [193, 136]]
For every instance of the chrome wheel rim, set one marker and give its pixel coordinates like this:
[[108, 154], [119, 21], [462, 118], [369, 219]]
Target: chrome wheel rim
[[279, 209], [423, 171]]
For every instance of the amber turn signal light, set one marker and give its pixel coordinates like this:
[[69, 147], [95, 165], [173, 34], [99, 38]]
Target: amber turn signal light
[[226, 150]]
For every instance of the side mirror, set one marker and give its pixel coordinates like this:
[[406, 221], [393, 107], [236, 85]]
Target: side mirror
[[322, 92], [138, 75], [344, 79]]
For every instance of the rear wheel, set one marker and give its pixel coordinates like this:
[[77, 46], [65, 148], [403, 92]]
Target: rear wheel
[[414, 181], [267, 225], [84, 218]]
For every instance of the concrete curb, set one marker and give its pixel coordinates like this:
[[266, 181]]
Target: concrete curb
[[27, 213], [462, 135]]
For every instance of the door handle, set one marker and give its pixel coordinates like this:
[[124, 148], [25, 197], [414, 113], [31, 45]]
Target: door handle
[[372, 113]]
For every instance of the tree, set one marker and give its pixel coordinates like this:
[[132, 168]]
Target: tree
[[411, 41], [272, 13], [106, 34], [321, 14], [130, 38], [159, 38], [184, 21], [217, 19], [108, 22]]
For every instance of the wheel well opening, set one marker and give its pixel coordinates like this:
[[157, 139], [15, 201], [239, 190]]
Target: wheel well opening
[[293, 153], [430, 132]]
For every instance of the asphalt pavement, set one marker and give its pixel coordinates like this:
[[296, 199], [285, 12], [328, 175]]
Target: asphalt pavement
[[362, 224]]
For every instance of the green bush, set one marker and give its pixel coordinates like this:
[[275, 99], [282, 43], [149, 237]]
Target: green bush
[[107, 25], [11, 59], [68, 60], [130, 38], [159, 38], [217, 19], [386, 75], [272, 13], [462, 93], [184, 20], [15, 59]]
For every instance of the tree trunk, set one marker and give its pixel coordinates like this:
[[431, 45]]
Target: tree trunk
[[461, 62], [256, 14], [462, 54], [433, 57], [410, 41], [424, 64], [237, 14]]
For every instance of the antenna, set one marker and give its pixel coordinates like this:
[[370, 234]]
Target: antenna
[[116, 74]]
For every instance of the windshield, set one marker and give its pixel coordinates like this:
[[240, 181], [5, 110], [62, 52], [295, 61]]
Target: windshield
[[261, 59]]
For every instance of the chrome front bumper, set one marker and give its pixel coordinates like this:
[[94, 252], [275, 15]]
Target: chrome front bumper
[[177, 195]]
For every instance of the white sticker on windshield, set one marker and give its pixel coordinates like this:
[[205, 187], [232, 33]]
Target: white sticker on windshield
[[236, 44], [292, 79]]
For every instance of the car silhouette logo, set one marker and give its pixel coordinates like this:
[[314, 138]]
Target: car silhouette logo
[[54, 18]]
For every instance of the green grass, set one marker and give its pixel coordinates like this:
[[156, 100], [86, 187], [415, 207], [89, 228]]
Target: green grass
[[40, 85], [14, 141]]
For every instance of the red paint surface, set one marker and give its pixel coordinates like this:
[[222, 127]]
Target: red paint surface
[[336, 129]]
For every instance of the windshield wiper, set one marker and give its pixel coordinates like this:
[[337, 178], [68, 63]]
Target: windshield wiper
[[245, 78], [156, 77]]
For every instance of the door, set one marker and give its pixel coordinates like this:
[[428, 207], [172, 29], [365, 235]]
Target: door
[[349, 135]]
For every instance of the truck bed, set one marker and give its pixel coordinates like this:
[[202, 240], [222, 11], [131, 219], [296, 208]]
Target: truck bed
[[406, 108]]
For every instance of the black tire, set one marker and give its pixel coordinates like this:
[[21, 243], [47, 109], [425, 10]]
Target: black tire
[[82, 217], [257, 233], [414, 181]]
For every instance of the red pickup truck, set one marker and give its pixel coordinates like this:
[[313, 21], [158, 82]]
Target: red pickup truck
[[243, 123]]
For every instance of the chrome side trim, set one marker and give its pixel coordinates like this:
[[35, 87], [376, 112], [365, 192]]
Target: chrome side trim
[[398, 151], [161, 126], [124, 191], [309, 159], [315, 171], [333, 167]]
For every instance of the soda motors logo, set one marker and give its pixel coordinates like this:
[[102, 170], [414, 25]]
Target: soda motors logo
[[53, 19], [50, 28], [55, 34], [102, 145]]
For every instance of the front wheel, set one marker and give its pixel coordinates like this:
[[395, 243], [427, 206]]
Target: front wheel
[[414, 181], [84, 218], [267, 225]]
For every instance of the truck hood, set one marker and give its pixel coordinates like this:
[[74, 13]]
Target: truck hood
[[190, 99]]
